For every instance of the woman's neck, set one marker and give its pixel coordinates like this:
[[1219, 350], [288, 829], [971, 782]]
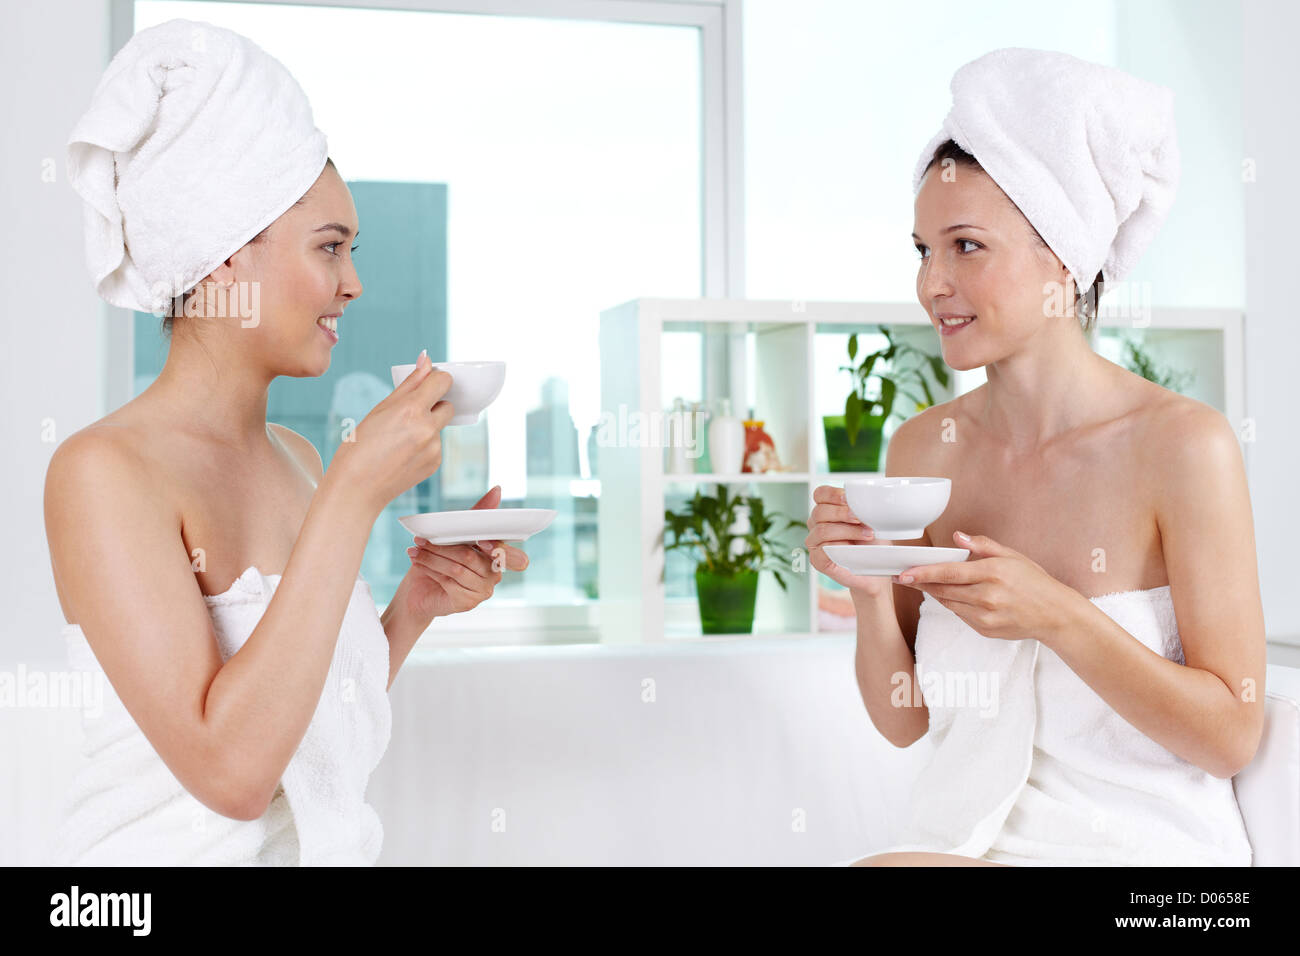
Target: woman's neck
[[1053, 385], [212, 391]]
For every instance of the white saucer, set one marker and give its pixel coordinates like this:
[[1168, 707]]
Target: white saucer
[[478, 524], [888, 559]]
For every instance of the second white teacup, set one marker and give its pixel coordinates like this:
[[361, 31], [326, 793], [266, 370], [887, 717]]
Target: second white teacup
[[897, 508], [474, 386]]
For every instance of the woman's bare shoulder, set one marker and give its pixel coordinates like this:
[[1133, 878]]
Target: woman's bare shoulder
[[1177, 442], [110, 444], [121, 455], [127, 437], [933, 427], [127, 453], [1168, 418]]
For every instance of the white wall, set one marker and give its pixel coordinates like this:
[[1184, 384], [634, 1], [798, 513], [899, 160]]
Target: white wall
[[1271, 137], [52, 54], [1195, 48]]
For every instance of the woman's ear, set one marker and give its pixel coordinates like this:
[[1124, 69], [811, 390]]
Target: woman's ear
[[1070, 299], [223, 276]]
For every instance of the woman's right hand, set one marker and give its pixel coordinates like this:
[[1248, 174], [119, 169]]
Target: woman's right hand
[[832, 522], [399, 443]]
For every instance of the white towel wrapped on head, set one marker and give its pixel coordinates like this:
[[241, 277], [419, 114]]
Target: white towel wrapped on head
[[1087, 152], [194, 142]]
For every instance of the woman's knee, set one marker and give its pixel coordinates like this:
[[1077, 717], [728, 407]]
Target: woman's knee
[[886, 859], [921, 859]]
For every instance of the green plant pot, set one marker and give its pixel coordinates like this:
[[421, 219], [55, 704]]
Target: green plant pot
[[726, 603], [864, 454]]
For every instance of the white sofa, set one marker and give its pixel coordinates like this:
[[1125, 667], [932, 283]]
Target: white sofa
[[755, 752], [717, 752]]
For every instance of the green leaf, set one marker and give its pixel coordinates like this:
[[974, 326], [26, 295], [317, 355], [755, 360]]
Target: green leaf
[[939, 369], [929, 396], [853, 408], [853, 346], [887, 389], [864, 372], [919, 404]]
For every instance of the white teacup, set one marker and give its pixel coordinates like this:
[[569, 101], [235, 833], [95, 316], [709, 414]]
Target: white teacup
[[897, 508], [474, 386]]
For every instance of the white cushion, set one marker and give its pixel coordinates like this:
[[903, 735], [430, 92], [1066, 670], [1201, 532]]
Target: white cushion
[[751, 752], [1268, 790]]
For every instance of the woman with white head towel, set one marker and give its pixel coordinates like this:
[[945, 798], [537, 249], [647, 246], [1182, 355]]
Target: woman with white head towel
[[203, 560], [1110, 601]]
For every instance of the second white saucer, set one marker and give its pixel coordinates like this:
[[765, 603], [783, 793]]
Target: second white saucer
[[887, 559]]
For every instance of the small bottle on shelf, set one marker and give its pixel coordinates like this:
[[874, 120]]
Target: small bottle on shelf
[[699, 430], [726, 440], [678, 463]]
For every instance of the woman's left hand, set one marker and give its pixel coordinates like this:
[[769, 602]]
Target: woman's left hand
[[449, 578], [997, 591]]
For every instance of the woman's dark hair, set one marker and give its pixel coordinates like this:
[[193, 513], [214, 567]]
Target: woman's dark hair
[[949, 150], [178, 303]]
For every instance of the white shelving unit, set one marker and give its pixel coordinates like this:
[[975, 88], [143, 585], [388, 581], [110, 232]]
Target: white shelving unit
[[761, 354]]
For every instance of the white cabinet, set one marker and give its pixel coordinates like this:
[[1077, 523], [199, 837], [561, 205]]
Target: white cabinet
[[782, 359]]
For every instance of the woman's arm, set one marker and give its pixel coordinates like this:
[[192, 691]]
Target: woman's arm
[[885, 655], [401, 629], [1210, 712], [226, 730], [885, 666]]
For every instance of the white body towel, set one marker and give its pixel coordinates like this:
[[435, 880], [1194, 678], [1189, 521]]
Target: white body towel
[[127, 808], [1057, 777]]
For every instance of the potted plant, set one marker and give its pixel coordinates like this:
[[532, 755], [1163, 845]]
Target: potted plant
[[726, 577], [1138, 361], [853, 439]]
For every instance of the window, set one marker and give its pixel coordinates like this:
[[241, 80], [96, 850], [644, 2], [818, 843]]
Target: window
[[513, 176]]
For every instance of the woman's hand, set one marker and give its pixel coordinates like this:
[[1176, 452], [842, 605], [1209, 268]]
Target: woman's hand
[[447, 579], [831, 522], [398, 444], [997, 591]]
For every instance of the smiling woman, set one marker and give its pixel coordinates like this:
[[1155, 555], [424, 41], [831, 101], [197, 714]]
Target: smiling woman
[[1090, 596], [237, 610]]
